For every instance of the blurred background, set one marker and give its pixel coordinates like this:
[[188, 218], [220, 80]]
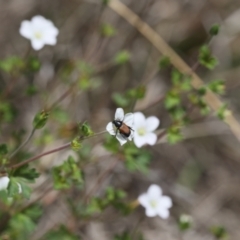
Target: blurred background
[[106, 56]]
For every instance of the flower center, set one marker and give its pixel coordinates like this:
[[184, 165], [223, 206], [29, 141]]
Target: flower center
[[153, 203], [38, 35], [141, 131]]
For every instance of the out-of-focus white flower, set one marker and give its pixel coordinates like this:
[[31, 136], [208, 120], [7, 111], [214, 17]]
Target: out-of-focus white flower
[[121, 125], [4, 181], [155, 203], [39, 31], [144, 128]]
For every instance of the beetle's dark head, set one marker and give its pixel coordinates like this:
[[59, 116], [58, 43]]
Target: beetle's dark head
[[117, 123]]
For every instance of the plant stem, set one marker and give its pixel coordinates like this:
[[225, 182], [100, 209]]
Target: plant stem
[[23, 144]]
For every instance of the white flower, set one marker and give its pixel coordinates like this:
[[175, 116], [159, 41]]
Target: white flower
[[4, 182], [39, 31], [144, 128], [155, 203], [126, 120]]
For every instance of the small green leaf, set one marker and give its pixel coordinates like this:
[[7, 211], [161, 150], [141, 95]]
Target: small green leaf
[[62, 233], [26, 172], [76, 144], [107, 30], [85, 130], [122, 57], [222, 112], [172, 99], [3, 149], [120, 100], [219, 232], [214, 30], [206, 58], [185, 222], [217, 86], [174, 135], [11, 64], [164, 62], [67, 174], [40, 119]]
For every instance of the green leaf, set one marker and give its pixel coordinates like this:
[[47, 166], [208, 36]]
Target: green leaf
[[76, 144], [164, 62], [206, 58], [136, 93], [13, 187], [219, 232], [31, 90], [122, 57], [33, 64], [172, 99], [62, 233], [174, 135], [217, 86], [11, 64], [107, 30], [67, 174], [3, 149], [40, 119], [21, 226], [26, 172], [85, 130], [185, 222], [120, 100], [223, 112], [7, 112], [214, 30]]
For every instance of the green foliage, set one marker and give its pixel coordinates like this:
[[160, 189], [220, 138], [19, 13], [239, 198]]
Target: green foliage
[[107, 30], [19, 185], [111, 144], [172, 99], [31, 90], [164, 62], [11, 64], [62, 233], [3, 149], [124, 100], [33, 212], [174, 135], [219, 232], [214, 30], [127, 236], [76, 144], [40, 119], [217, 86], [26, 172], [7, 112], [185, 222], [122, 57], [33, 64], [60, 115], [206, 58], [136, 159], [85, 130], [67, 174], [222, 112], [20, 227]]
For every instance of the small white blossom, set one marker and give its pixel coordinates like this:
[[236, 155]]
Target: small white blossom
[[155, 203], [4, 181], [126, 119], [144, 128], [39, 31]]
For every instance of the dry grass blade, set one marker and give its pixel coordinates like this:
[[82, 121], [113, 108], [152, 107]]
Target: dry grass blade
[[213, 101]]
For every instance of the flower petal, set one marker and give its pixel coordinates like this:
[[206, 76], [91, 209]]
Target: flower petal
[[152, 123], [163, 213], [151, 212], [4, 181], [119, 114], [150, 138], [139, 140], [121, 139], [143, 200], [139, 120], [50, 40], [110, 128], [165, 202], [129, 119], [154, 191], [37, 44], [26, 29]]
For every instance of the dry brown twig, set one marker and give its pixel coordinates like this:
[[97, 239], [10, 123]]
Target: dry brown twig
[[158, 42]]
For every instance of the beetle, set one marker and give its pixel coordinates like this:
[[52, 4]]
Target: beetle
[[122, 128]]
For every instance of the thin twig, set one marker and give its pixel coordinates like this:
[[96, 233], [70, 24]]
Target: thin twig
[[23, 144]]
